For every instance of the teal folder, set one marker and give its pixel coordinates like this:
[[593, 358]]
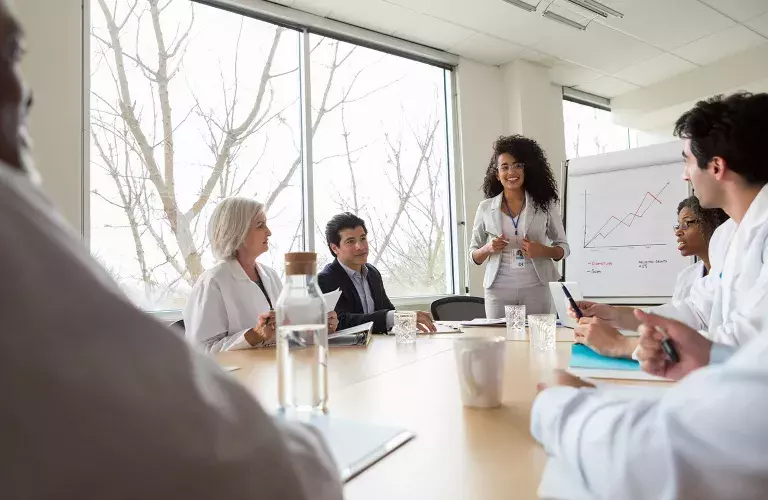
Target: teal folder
[[584, 357]]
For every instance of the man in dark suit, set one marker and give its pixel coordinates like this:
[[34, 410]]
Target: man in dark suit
[[363, 297]]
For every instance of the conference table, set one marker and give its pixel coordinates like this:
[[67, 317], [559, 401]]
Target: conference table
[[458, 453]]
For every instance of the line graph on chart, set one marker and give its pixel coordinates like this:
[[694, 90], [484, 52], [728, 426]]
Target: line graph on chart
[[619, 229]]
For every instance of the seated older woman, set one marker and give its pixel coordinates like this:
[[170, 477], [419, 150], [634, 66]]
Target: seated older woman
[[232, 304]]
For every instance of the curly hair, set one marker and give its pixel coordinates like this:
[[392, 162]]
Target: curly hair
[[734, 128], [709, 218], [539, 181]]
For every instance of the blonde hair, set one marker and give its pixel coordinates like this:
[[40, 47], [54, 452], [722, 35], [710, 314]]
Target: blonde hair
[[230, 223]]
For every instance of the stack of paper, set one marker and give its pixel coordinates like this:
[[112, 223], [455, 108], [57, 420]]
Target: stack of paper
[[485, 322], [359, 335]]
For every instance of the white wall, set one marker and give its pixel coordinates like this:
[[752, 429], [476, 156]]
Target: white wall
[[53, 68], [534, 108], [481, 120]]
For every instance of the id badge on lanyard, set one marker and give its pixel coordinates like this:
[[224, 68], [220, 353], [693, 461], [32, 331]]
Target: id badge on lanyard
[[519, 258]]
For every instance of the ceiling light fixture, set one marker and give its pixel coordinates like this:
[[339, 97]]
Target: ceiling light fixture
[[523, 5], [564, 20], [596, 8]]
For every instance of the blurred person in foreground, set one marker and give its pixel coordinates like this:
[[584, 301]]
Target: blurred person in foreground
[[106, 402]]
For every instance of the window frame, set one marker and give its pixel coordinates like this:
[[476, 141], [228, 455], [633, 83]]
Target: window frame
[[309, 24]]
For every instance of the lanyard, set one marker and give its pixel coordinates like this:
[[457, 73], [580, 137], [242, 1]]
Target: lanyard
[[515, 220]]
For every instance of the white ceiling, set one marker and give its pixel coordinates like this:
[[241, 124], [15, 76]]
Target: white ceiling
[[655, 40]]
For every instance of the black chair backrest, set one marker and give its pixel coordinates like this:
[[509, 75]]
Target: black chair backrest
[[458, 308], [178, 326]]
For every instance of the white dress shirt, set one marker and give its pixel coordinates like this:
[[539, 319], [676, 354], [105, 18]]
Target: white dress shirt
[[101, 401], [704, 438], [225, 303], [730, 304], [363, 288]]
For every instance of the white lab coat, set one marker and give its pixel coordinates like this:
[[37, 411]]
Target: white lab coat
[[730, 305], [704, 438], [101, 401], [686, 279], [225, 303]]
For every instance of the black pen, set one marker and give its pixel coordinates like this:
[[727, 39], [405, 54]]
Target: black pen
[[575, 307], [668, 346]]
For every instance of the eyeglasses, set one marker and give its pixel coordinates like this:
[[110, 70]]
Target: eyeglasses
[[515, 166], [685, 225]]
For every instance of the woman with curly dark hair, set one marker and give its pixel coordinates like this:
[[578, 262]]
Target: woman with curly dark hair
[[513, 228], [693, 230]]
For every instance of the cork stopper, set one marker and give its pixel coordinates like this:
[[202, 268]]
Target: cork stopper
[[301, 263]]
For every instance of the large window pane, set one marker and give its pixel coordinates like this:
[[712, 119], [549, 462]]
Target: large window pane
[[380, 151], [189, 104], [591, 131]]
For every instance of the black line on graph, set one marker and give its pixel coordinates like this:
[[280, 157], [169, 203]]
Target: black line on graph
[[623, 221]]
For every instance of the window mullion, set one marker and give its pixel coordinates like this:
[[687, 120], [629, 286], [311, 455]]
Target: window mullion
[[308, 208]]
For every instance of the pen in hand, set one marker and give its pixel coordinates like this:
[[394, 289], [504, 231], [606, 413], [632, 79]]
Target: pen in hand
[[574, 306], [668, 346]]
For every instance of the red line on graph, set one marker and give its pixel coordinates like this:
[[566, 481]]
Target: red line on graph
[[634, 215]]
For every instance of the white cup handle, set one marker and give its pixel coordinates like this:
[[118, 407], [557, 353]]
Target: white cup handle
[[468, 381]]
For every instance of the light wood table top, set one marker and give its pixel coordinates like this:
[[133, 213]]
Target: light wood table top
[[458, 453]]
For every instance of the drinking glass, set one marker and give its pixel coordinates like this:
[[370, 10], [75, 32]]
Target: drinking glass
[[405, 327], [515, 322], [543, 330]]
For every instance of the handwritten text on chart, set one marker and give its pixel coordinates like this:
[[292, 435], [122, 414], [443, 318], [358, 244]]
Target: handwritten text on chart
[[643, 264], [597, 266]]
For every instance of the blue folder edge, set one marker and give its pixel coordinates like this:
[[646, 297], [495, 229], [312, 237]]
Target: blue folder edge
[[584, 357], [356, 446]]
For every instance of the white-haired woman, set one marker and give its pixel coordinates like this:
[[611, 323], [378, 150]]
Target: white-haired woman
[[232, 304]]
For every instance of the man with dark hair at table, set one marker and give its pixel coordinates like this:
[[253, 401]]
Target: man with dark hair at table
[[363, 297]]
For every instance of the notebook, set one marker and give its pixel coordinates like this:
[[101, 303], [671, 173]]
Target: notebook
[[587, 363], [485, 322], [359, 335], [356, 446]]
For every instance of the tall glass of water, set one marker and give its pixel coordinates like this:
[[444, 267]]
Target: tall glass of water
[[405, 327], [302, 339], [543, 330], [515, 322]]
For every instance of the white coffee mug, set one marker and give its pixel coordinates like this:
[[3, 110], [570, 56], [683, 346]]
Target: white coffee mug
[[480, 367]]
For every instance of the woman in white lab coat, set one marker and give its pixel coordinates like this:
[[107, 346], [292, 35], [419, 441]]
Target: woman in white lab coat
[[694, 229], [518, 231], [232, 304]]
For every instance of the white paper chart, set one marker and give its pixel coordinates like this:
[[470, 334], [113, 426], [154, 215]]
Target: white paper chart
[[621, 208]]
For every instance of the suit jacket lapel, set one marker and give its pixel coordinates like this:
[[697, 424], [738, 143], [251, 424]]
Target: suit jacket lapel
[[347, 287], [496, 214]]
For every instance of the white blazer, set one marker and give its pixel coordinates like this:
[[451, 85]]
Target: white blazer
[[537, 225], [225, 303], [686, 279], [730, 305]]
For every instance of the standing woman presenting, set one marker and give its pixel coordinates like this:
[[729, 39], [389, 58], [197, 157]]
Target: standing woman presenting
[[513, 228]]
